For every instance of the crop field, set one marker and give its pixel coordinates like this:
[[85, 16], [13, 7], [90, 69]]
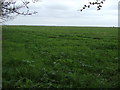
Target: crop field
[[60, 57]]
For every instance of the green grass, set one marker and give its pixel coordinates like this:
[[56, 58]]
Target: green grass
[[60, 57]]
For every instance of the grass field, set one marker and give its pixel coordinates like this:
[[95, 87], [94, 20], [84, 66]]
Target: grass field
[[60, 57]]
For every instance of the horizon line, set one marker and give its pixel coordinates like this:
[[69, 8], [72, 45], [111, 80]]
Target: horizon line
[[55, 25]]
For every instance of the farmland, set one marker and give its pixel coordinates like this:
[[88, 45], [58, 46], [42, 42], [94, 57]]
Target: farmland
[[60, 57]]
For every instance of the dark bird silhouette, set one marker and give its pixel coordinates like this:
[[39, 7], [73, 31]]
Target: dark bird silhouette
[[98, 9], [90, 2], [83, 7], [100, 6], [102, 2], [93, 3], [96, 2], [88, 6]]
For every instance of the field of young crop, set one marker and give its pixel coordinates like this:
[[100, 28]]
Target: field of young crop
[[60, 57]]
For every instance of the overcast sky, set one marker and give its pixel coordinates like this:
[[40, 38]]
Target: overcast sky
[[65, 13]]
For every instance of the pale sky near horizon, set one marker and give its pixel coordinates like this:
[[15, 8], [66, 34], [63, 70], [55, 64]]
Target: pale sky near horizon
[[65, 13]]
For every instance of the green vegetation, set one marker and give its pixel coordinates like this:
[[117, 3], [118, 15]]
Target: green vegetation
[[60, 57]]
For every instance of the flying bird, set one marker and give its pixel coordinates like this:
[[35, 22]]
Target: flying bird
[[100, 6], [90, 2], [93, 3], [85, 5], [88, 6], [96, 2], [102, 2], [98, 9]]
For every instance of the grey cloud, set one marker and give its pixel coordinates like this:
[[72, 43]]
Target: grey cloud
[[56, 7], [62, 13]]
